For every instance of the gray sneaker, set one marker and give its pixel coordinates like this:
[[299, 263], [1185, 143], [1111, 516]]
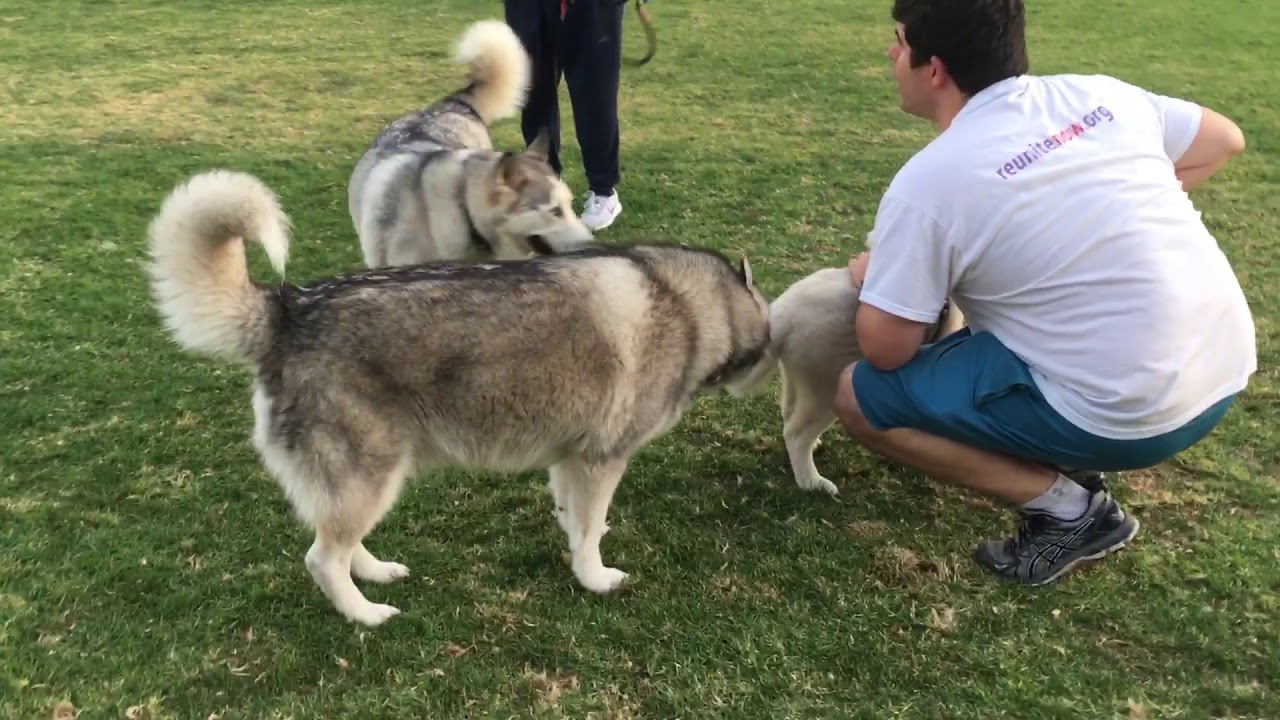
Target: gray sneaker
[[1045, 548]]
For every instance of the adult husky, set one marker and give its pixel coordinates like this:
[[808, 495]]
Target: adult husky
[[811, 343], [430, 186], [568, 362]]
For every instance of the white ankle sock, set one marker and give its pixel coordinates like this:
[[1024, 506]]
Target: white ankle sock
[[1065, 500]]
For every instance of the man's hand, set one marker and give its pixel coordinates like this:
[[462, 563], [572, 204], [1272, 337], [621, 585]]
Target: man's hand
[[1216, 142], [858, 268]]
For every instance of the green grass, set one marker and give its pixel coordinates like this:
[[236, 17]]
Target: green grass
[[150, 569]]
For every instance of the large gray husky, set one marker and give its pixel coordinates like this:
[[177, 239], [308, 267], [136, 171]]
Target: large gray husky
[[567, 362], [430, 186]]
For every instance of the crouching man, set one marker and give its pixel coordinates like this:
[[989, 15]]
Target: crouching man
[[1106, 329]]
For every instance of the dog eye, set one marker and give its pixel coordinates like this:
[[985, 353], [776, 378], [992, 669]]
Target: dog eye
[[557, 211]]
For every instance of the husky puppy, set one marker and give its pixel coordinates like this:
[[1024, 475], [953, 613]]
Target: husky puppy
[[811, 342], [567, 362], [430, 186]]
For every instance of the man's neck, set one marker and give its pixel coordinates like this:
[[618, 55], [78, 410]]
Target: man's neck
[[948, 108]]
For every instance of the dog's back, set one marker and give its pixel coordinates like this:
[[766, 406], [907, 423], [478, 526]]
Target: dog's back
[[813, 323], [509, 365]]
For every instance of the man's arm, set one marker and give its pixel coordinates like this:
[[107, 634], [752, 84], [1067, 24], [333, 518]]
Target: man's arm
[[1197, 140], [887, 341], [1216, 141]]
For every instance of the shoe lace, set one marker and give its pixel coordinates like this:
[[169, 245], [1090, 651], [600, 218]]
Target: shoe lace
[[1028, 529]]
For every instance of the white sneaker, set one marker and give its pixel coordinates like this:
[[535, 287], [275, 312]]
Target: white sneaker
[[599, 212]]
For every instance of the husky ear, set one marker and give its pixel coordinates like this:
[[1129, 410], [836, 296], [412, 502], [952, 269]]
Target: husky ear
[[510, 173], [540, 148], [744, 271]]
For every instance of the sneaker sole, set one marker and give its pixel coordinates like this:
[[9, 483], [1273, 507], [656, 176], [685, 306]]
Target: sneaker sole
[[1114, 547]]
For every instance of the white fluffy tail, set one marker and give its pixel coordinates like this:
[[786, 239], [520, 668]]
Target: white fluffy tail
[[498, 67], [199, 278]]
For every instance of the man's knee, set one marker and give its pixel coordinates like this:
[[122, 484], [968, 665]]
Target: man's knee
[[847, 407]]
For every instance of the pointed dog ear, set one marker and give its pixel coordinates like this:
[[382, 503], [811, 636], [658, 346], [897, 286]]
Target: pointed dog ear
[[744, 271], [510, 173], [540, 148]]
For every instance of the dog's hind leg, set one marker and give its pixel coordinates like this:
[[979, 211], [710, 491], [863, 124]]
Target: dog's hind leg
[[787, 398], [592, 487], [811, 413], [341, 524]]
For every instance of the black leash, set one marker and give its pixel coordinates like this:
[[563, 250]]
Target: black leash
[[650, 35]]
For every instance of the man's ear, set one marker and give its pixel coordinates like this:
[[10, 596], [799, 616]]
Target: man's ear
[[938, 75]]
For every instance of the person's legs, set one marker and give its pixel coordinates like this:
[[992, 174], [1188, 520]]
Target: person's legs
[[592, 60], [1064, 524], [1011, 479], [966, 412], [537, 24]]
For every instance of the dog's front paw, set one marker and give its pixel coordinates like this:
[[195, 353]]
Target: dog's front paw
[[818, 483], [381, 572], [372, 614], [602, 580]]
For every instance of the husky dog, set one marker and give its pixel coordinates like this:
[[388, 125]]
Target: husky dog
[[811, 343], [566, 362], [430, 186]]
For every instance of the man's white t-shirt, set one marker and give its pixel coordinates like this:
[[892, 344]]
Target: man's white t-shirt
[[1050, 212]]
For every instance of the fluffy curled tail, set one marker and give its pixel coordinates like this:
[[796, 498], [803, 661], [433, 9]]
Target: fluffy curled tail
[[199, 278], [498, 67]]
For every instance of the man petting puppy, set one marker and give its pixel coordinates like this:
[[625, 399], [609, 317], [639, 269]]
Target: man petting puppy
[[1106, 329]]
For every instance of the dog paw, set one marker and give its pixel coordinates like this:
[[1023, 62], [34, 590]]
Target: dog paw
[[381, 572], [372, 614], [602, 580], [820, 483]]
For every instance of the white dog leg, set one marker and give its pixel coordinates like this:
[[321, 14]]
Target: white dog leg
[[341, 525], [787, 397], [593, 488], [329, 561], [810, 416]]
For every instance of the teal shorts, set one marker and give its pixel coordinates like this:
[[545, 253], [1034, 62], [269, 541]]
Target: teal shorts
[[969, 388]]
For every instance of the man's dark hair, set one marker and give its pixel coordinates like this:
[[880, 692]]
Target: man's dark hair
[[980, 41]]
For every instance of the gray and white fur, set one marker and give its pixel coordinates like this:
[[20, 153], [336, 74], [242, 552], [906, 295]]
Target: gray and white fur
[[431, 186], [566, 362]]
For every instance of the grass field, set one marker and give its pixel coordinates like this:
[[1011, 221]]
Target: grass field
[[150, 569]]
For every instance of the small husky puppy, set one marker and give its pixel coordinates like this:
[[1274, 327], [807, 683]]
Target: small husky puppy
[[430, 186], [566, 362], [811, 342]]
